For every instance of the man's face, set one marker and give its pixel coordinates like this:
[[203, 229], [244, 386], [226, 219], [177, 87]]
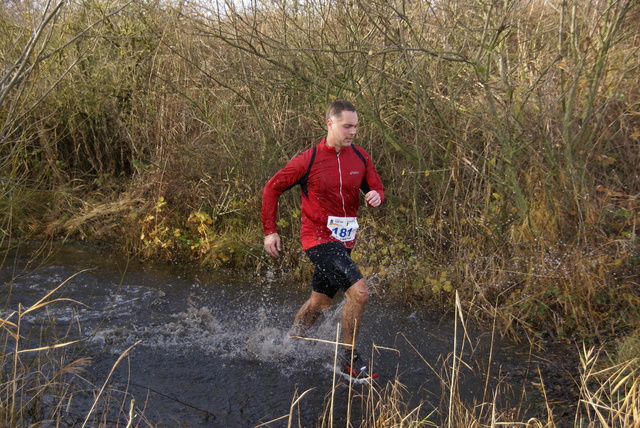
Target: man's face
[[342, 129]]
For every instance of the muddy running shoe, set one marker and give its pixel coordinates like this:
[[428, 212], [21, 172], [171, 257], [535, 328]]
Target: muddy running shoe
[[356, 368]]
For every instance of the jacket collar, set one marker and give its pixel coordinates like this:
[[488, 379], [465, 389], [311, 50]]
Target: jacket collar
[[324, 146]]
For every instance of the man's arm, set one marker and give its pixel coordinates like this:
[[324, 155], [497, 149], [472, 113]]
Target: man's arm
[[270, 198], [279, 183]]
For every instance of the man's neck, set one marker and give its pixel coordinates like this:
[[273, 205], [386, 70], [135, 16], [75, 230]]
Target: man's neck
[[336, 147]]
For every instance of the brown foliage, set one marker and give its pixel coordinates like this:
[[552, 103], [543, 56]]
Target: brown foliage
[[503, 130]]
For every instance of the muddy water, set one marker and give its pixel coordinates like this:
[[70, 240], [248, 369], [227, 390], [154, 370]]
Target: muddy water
[[209, 351]]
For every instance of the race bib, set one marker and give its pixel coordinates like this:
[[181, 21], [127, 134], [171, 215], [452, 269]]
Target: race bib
[[343, 228]]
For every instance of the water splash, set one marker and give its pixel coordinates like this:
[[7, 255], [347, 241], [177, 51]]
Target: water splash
[[249, 336]]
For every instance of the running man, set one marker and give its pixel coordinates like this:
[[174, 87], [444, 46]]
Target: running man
[[331, 176]]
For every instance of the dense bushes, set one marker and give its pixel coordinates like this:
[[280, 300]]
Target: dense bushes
[[506, 132]]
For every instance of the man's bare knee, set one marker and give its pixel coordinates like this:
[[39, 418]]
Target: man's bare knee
[[319, 302], [321, 306], [362, 297], [359, 295]]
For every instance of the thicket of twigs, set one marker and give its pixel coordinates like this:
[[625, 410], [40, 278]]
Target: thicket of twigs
[[507, 134]]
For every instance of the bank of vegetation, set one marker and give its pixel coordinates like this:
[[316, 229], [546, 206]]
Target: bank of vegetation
[[507, 133]]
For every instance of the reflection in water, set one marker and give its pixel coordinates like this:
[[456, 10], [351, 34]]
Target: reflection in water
[[210, 348]]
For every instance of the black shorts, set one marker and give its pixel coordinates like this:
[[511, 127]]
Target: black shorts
[[334, 268]]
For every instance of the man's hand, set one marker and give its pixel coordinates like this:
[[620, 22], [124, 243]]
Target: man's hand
[[373, 198], [272, 244]]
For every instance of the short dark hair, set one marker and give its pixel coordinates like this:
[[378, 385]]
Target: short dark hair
[[337, 107]]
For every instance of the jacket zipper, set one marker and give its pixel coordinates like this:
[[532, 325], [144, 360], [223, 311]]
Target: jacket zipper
[[344, 210]]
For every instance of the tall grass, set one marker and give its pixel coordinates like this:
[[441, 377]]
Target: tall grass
[[607, 394], [44, 373]]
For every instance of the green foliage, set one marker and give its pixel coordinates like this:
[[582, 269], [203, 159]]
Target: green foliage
[[200, 238]]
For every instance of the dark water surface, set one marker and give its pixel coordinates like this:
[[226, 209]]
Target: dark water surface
[[209, 348]]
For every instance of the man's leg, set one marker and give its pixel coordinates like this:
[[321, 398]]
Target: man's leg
[[356, 299], [309, 313]]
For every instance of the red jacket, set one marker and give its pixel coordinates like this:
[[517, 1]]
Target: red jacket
[[332, 188]]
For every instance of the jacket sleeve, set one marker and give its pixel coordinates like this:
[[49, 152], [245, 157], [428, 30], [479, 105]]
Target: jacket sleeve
[[282, 181]]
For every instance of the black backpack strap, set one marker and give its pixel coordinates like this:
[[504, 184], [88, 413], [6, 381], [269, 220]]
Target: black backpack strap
[[360, 155], [364, 186], [302, 181]]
